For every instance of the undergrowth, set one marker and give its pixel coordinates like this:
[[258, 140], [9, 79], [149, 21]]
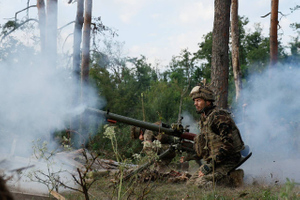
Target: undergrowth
[[158, 190]]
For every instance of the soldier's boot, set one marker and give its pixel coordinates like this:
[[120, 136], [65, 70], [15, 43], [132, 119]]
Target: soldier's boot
[[236, 178]]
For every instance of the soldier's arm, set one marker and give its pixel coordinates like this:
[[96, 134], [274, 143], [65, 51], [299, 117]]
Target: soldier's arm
[[221, 125]]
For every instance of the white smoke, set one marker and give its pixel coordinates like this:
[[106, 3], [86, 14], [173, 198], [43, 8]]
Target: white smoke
[[36, 100], [188, 120], [271, 125]]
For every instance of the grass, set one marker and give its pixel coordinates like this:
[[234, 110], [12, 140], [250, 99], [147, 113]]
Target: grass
[[103, 189]]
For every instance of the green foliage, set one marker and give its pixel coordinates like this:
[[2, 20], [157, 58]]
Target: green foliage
[[287, 191], [296, 7], [268, 195], [15, 52], [144, 74], [131, 87], [181, 68], [161, 102], [257, 50], [105, 148], [8, 26], [295, 26], [294, 46], [203, 56], [213, 196], [123, 86]]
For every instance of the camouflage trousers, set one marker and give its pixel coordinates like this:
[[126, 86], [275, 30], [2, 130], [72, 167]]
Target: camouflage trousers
[[217, 177], [152, 151]]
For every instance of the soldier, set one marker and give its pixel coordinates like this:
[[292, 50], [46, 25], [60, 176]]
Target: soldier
[[154, 144], [219, 142]]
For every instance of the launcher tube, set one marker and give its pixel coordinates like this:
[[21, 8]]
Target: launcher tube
[[134, 122]]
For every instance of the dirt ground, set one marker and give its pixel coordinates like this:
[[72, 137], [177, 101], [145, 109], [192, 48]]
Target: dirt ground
[[107, 187]]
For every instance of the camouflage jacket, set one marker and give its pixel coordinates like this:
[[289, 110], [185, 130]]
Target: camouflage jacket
[[219, 139]]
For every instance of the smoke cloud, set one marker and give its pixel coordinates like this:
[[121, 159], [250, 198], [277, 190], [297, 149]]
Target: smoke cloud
[[188, 120], [36, 100], [271, 125]]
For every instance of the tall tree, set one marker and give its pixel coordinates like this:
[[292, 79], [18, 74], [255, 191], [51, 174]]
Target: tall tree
[[51, 34], [235, 49], [42, 24], [204, 56], [257, 51], [76, 58], [86, 45], [220, 59], [77, 38], [294, 59], [273, 33], [182, 67], [85, 61]]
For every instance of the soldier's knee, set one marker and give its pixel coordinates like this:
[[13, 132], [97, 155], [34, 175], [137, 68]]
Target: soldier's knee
[[236, 178]]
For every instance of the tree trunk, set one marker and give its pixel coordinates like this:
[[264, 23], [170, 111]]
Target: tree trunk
[[86, 44], [42, 24], [85, 60], [51, 35], [77, 38], [76, 60], [273, 33], [235, 49], [220, 60]]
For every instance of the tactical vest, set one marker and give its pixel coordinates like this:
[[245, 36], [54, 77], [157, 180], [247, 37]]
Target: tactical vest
[[212, 141]]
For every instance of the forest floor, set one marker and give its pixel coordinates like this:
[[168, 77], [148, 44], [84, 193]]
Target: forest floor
[[108, 187], [105, 189]]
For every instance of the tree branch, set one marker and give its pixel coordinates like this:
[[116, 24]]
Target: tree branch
[[266, 15], [68, 187], [66, 41], [59, 29], [284, 15], [18, 26], [23, 10]]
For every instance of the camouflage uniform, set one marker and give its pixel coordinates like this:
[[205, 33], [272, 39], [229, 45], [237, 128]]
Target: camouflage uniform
[[154, 144], [219, 145]]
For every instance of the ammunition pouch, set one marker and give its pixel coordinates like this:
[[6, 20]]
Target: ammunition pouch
[[206, 168]]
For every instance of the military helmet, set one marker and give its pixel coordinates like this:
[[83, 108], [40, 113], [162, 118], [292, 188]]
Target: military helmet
[[203, 92]]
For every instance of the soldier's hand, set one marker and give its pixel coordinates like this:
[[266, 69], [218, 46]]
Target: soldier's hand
[[141, 137], [201, 173]]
